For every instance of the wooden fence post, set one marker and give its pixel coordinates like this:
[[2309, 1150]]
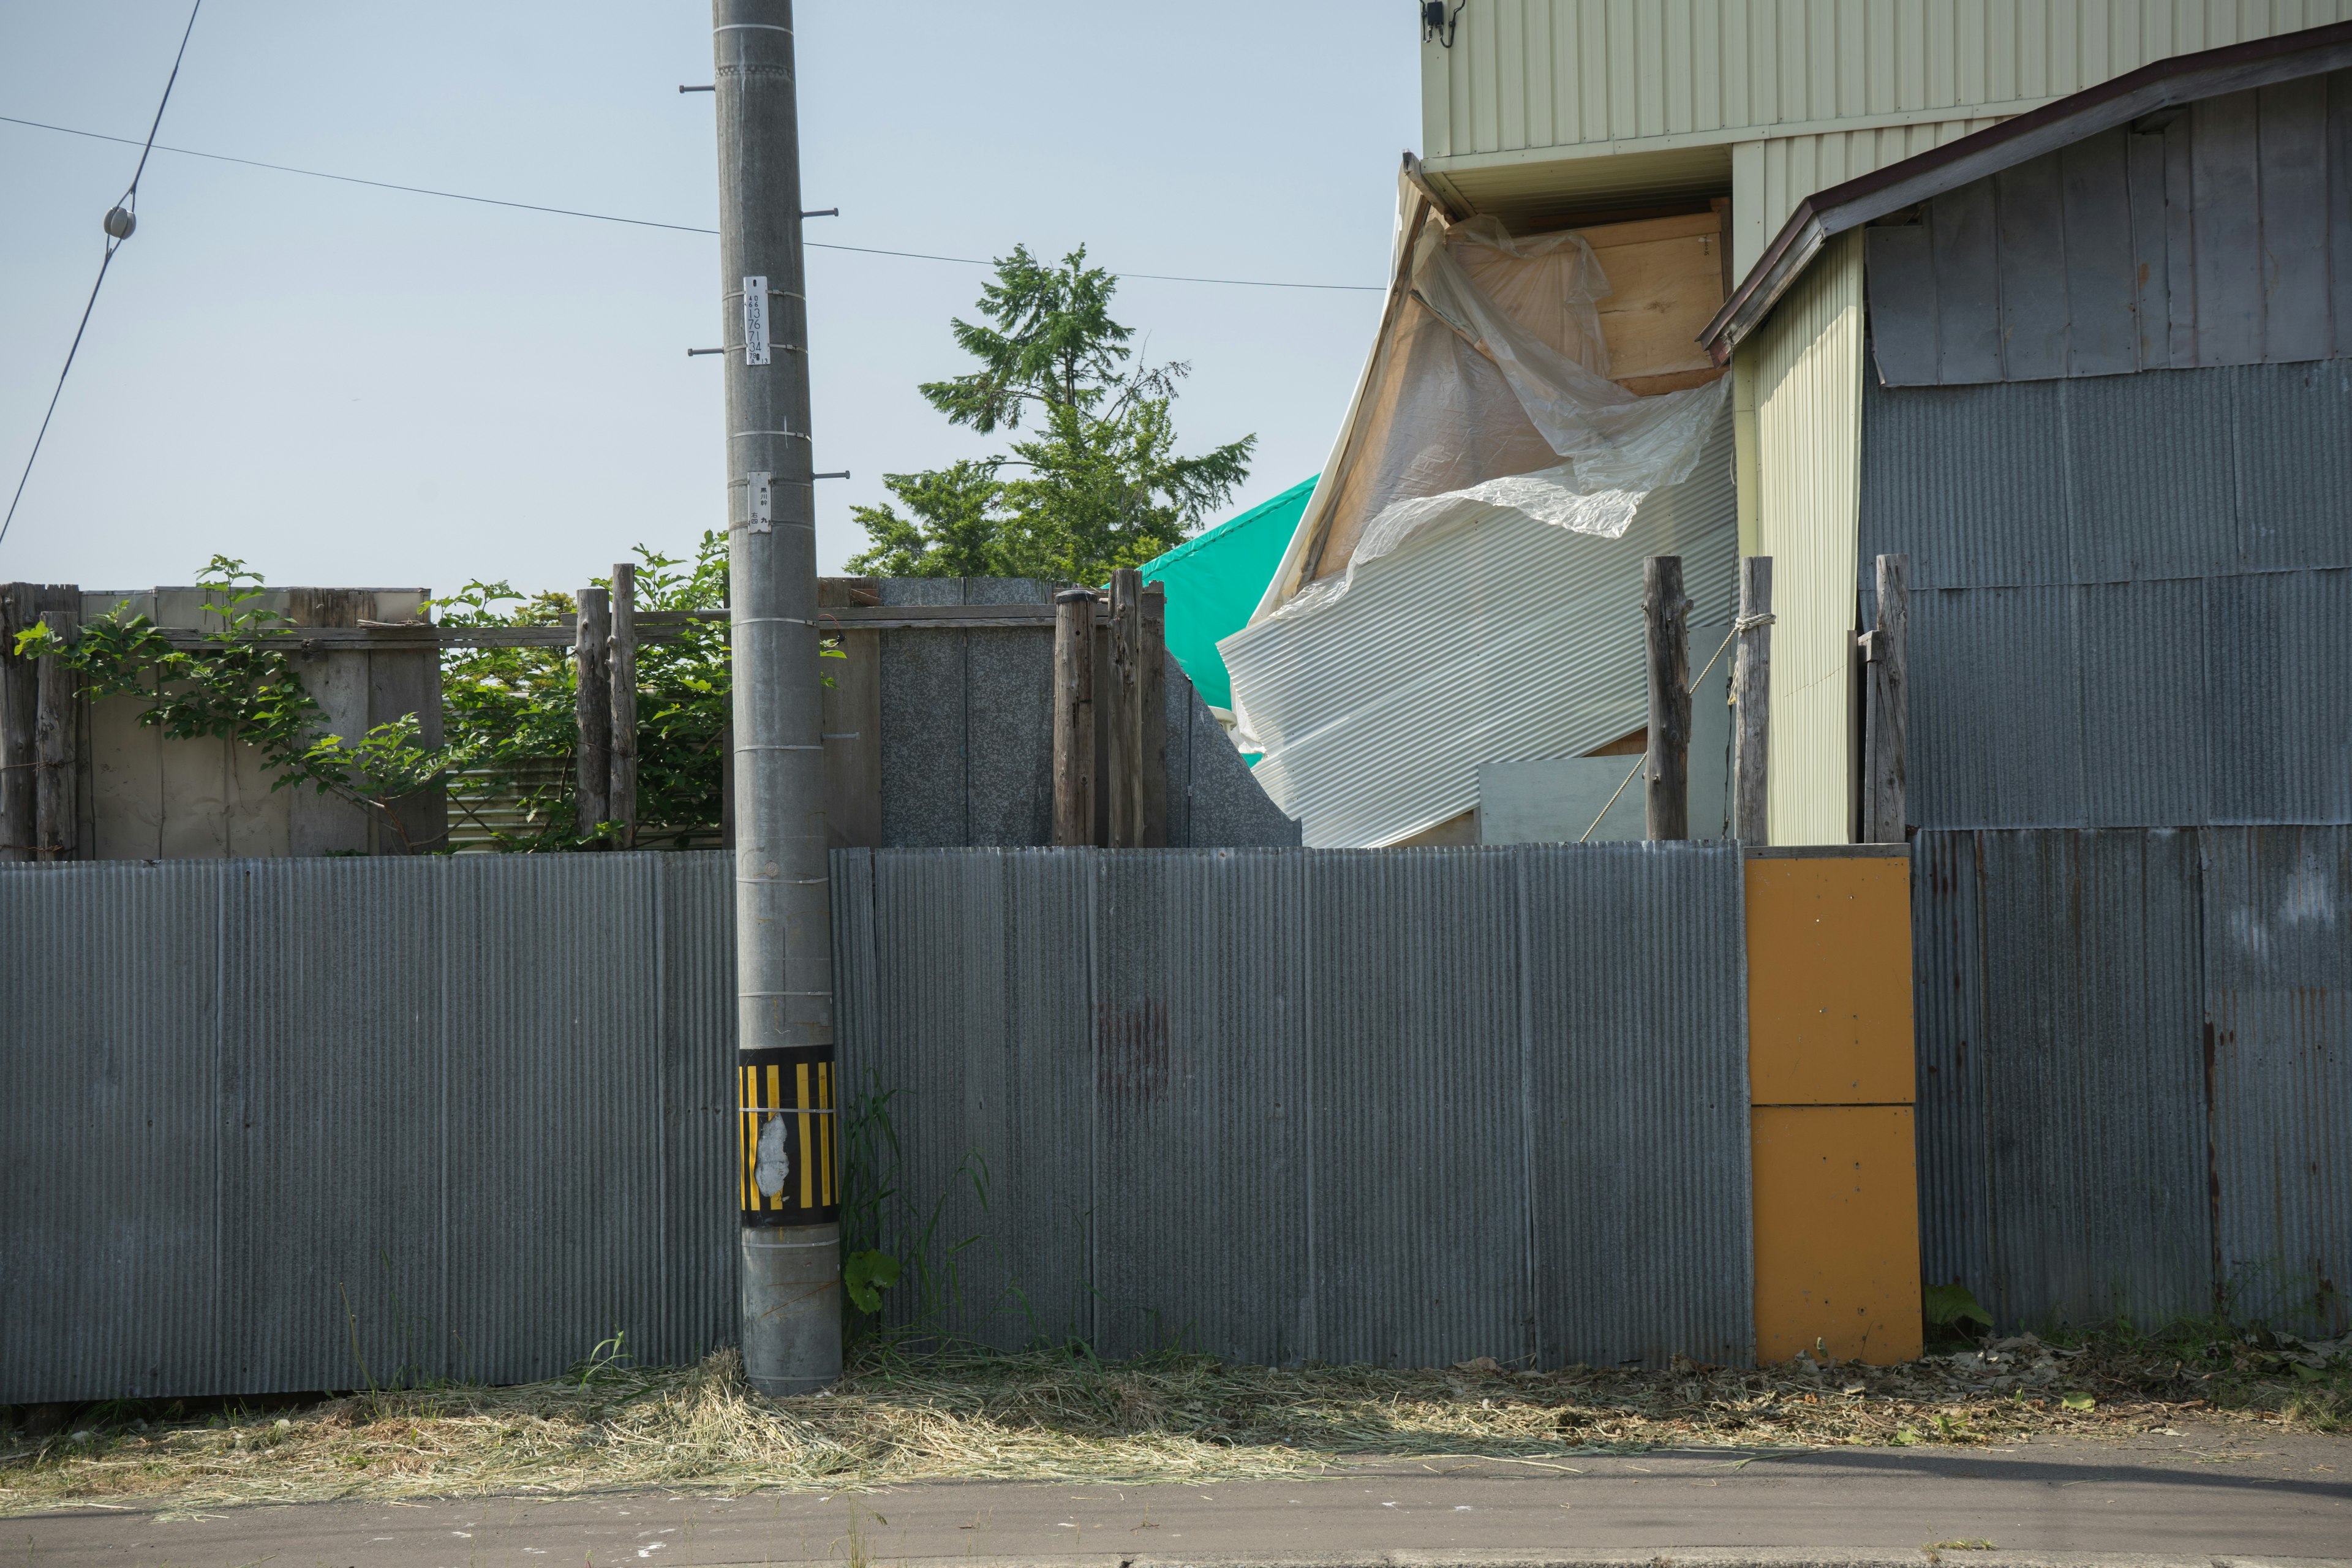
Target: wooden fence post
[[1751, 685], [592, 707], [18, 684], [1886, 647], [621, 800], [1151, 716], [1665, 623], [1125, 709], [57, 820], [1074, 715]]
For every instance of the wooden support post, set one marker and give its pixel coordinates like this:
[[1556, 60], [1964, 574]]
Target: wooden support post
[[1074, 717], [1886, 649], [56, 738], [19, 685], [1751, 686], [1666, 623], [1151, 715], [1125, 709], [591, 708], [621, 800]]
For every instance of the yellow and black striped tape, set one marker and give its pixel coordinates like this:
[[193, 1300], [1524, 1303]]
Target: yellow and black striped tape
[[791, 1151]]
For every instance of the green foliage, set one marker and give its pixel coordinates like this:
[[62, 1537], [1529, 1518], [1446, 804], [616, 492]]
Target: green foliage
[[1949, 1306], [865, 1274], [508, 712], [242, 685], [1097, 484]]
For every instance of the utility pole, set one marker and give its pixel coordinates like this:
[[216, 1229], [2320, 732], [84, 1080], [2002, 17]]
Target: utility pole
[[789, 1182]]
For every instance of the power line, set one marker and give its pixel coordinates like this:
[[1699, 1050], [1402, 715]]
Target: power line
[[649, 223], [119, 223]]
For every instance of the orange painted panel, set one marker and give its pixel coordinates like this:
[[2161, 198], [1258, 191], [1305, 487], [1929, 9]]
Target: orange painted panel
[[1829, 981], [1837, 1232]]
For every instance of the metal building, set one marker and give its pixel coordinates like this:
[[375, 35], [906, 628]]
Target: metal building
[[2085, 369]]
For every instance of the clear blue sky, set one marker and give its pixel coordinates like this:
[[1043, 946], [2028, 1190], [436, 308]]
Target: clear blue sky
[[360, 387]]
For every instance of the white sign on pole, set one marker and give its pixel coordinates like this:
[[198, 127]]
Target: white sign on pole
[[755, 321]]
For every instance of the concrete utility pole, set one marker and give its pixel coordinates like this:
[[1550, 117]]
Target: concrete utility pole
[[789, 1181]]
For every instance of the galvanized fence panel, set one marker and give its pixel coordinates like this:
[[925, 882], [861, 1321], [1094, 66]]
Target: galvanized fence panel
[[2278, 985], [1404, 1107], [317, 1124], [2135, 1078]]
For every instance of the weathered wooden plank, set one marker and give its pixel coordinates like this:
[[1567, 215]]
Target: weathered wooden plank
[[1900, 260], [337, 680], [2293, 136], [2226, 162], [18, 689], [1125, 708], [2101, 289], [401, 683], [2339, 213], [1886, 718], [195, 776], [1666, 623], [1751, 686], [2180, 238], [56, 791], [591, 710], [1151, 715], [621, 670], [2151, 306], [1074, 718], [852, 723], [126, 761], [2033, 236], [1961, 230]]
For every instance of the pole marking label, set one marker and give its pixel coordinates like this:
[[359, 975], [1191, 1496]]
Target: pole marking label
[[755, 321]]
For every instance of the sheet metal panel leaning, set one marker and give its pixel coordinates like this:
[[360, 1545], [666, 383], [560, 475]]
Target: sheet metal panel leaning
[[786, 1144]]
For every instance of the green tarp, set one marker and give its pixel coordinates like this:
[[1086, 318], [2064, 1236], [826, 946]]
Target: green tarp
[[1216, 580]]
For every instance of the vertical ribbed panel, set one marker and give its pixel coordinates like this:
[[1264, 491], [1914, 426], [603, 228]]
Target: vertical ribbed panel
[[1635, 1042], [1322, 1105], [1996, 720], [1416, 1092], [316, 1122], [2278, 983], [1809, 431], [2061, 1127], [1201, 1018]]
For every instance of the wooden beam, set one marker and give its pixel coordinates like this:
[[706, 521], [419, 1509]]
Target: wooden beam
[[1074, 717], [621, 799], [1125, 708], [1886, 649], [18, 689], [1151, 716], [1665, 625], [57, 819], [1751, 685], [592, 709], [852, 706]]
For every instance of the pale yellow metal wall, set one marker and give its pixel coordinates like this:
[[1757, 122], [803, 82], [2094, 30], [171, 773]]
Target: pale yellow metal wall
[[1807, 371], [1811, 91]]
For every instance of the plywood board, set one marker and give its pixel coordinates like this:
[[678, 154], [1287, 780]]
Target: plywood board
[[1829, 981], [1666, 283], [1837, 1232]]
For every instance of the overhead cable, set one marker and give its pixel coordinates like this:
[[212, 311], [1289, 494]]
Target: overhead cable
[[650, 223], [121, 219]]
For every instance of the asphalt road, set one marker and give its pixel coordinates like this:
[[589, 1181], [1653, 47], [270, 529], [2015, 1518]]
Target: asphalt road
[[2197, 1496]]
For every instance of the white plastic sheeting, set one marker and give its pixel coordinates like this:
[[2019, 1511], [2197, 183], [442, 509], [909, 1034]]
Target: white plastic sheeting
[[1466, 586]]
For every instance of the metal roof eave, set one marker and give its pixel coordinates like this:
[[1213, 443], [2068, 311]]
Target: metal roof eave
[[2183, 79]]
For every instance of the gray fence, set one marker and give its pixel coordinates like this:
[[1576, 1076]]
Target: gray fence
[[305, 1123], [1394, 1106], [2136, 1070]]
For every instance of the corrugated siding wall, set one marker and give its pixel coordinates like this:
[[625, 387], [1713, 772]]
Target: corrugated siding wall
[[1809, 433], [2135, 1072], [1807, 85], [1332, 1105], [292, 1124], [2223, 237], [2131, 595]]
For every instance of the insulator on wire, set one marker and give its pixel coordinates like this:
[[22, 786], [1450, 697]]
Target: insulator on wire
[[120, 221]]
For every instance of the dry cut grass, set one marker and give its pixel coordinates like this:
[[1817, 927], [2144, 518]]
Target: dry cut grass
[[1052, 1415]]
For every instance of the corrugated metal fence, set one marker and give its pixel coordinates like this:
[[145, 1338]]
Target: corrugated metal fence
[[1396, 1106], [2136, 1070], [305, 1123]]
